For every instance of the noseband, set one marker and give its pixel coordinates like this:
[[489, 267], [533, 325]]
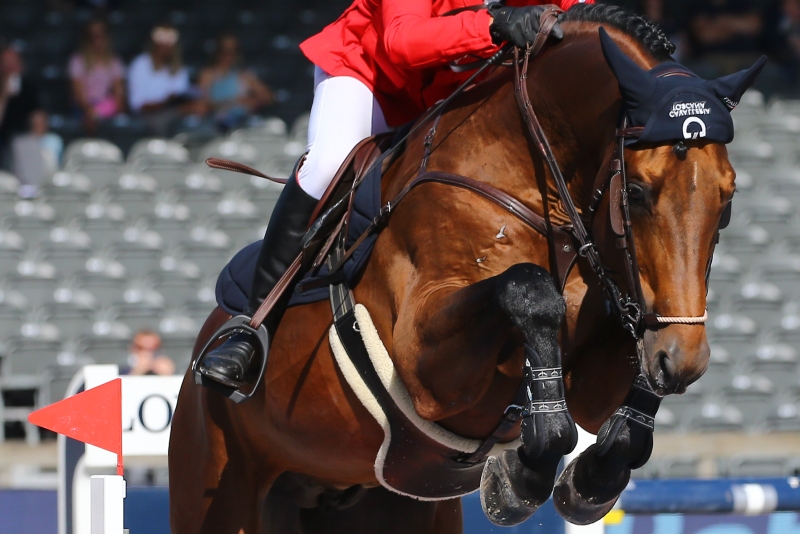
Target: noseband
[[612, 179]]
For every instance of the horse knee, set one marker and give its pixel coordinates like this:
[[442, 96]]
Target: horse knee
[[530, 298]]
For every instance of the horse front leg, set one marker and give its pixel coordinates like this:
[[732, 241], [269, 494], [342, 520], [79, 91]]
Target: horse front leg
[[516, 483], [450, 345], [591, 484]]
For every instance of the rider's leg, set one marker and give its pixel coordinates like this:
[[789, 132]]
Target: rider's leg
[[343, 113]]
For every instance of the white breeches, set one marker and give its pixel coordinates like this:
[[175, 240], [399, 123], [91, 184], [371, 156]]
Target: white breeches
[[343, 113]]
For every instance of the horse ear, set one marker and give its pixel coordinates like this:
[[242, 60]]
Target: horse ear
[[635, 84], [730, 88]]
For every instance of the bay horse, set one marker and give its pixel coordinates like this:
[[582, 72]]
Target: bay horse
[[460, 292]]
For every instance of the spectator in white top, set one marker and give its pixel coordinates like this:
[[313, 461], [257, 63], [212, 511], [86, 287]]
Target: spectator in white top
[[158, 83]]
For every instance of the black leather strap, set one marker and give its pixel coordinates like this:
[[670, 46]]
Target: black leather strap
[[511, 418]]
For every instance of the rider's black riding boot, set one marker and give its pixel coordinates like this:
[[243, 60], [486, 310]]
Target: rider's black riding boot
[[228, 364]]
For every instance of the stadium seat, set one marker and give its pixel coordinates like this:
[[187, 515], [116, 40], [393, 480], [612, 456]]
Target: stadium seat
[[783, 417], [751, 152], [230, 149], [138, 235], [68, 193], [299, 130], [177, 324], [757, 298], [680, 466], [279, 166], [714, 416], [206, 236], [91, 151], [99, 160], [746, 243], [171, 218], [666, 420], [136, 193], [776, 361], [753, 465], [155, 153], [140, 297], [106, 326], [36, 326], [27, 371], [103, 273], [726, 271], [775, 213], [71, 297], [729, 327], [33, 265], [783, 271], [12, 247], [271, 132]]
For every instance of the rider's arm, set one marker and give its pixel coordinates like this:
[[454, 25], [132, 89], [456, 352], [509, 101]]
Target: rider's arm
[[414, 39]]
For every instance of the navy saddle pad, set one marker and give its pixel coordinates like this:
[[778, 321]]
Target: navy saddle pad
[[236, 279]]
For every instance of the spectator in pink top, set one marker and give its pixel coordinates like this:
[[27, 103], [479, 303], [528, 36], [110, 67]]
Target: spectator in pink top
[[97, 77]]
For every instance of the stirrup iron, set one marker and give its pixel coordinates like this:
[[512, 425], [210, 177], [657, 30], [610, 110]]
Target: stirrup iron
[[235, 325]]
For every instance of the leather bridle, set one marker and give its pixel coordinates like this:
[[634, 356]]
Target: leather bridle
[[630, 306]]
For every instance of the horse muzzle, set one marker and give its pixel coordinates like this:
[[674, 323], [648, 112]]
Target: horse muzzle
[[674, 357]]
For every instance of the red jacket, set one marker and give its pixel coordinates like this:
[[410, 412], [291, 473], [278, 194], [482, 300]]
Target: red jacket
[[398, 47]]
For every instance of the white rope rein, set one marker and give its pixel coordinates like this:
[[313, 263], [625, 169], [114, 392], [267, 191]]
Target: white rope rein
[[683, 320]]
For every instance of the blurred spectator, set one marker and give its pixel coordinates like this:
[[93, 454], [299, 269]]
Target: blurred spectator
[[158, 82], [145, 358], [97, 76], [104, 5], [231, 92], [36, 155], [787, 45], [726, 33], [18, 99]]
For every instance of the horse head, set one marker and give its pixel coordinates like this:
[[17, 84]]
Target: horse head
[[677, 182]]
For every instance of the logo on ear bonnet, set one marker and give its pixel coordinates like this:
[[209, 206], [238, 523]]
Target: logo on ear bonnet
[[683, 109], [693, 135]]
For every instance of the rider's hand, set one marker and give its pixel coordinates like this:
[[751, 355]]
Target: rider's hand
[[518, 25]]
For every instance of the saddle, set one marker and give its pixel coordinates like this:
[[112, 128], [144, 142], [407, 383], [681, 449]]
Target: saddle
[[349, 204]]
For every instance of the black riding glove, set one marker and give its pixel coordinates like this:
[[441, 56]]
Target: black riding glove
[[518, 25]]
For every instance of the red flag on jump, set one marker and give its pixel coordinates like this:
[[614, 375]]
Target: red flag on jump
[[93, 416]]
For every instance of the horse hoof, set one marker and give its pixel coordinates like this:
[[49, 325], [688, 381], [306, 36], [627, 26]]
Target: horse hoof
[[572, 506], [499, 501]]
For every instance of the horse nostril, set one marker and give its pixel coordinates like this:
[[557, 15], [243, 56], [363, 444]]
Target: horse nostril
[[665, 365]]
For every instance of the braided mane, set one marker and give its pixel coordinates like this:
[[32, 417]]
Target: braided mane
[[647, 33]]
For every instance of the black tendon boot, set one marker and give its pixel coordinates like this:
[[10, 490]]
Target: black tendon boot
[[229, 363]]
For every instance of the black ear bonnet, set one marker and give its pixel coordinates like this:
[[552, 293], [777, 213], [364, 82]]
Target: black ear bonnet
[[674, 104]]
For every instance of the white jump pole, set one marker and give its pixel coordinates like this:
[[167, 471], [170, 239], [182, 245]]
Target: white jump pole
[[108, 492]]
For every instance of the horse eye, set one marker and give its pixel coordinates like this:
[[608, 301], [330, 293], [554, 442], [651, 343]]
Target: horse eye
[[635, 193]]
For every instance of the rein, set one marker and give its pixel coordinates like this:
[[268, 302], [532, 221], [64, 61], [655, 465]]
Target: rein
[[630, 308]]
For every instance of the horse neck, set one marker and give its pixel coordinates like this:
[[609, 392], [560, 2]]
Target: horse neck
[[585, 103]]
